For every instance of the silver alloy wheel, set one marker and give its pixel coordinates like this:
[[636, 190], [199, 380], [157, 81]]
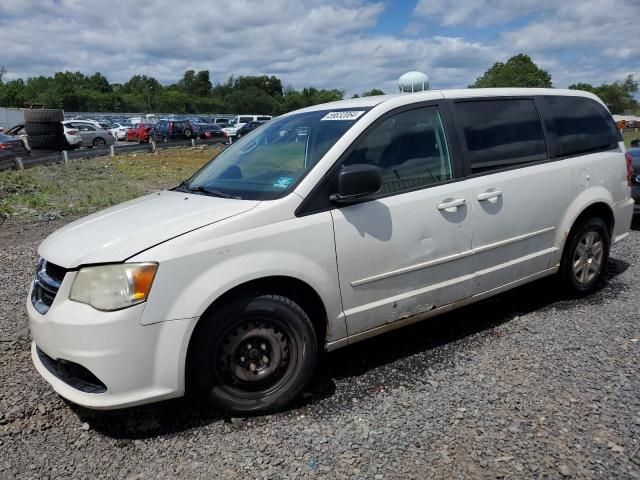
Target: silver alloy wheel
[[588, 257]]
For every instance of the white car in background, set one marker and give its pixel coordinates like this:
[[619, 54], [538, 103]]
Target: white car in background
[[230, 131], [119, 131], [73, 136]]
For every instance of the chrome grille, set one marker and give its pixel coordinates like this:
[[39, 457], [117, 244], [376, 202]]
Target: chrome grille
[[46, 284]]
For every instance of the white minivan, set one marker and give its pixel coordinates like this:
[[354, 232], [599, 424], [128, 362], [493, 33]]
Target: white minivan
[[239, 121], [326, 226]]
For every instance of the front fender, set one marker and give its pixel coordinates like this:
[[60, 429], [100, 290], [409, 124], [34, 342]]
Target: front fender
[[211, 265]]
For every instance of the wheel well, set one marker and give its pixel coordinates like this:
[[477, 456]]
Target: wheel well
[[292, 288], [600, 210]]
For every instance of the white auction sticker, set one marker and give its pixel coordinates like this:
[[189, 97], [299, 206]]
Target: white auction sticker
[[346, 115]]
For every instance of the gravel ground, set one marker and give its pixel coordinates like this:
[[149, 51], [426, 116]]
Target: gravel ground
[[526, 385]]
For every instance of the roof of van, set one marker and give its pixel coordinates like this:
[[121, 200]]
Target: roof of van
[[427, 95]]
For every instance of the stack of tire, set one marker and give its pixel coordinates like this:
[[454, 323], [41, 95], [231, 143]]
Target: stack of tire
[[45, 130]]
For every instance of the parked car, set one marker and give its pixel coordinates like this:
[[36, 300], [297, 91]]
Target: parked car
[[634, 153], [247, 127], [363, 216], [166, 129], [91, 133], [239, 120], [208, 131], [140, 133], [230, 131], [73, 137], [19, 131], [119, 131], [16, 131], [11, 147]]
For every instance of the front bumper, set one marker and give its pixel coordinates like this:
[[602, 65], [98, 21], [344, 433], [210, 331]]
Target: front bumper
[[135, 363]]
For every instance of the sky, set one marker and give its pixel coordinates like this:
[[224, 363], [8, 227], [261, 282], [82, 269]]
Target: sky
[[353, 45]]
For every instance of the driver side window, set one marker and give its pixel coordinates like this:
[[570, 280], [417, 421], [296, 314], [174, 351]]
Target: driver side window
[[410, 149]]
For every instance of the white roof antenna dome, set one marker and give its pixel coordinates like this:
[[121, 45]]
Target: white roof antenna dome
[[413, 82]]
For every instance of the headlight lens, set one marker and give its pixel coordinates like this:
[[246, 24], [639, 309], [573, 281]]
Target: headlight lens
[[112, 287]]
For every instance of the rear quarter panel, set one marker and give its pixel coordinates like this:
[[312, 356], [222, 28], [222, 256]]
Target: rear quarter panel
[[595, 178]]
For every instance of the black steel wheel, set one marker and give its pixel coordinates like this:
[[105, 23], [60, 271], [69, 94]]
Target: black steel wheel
[[253, 355], [585, 256], [188, 133]]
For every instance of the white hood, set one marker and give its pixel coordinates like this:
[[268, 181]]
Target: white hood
[[119, 232]]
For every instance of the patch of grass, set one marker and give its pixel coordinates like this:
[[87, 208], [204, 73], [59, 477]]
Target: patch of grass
[[84, 186]]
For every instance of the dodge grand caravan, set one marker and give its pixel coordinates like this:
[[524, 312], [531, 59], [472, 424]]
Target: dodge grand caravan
[[323, 227]]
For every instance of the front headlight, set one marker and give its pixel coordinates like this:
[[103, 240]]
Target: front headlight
[[112, 287]]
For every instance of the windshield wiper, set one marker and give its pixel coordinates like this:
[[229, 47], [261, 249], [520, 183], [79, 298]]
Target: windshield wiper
[[184, 187], [210, 191]]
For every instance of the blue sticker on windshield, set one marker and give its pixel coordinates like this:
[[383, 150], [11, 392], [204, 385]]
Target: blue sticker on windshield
[[282, 182]]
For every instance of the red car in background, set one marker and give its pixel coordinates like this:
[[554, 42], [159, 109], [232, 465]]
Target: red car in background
[[140, 133]]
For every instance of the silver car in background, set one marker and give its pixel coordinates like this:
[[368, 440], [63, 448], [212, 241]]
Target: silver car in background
[[91, 133]]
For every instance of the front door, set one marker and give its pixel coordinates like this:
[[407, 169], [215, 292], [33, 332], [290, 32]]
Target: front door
[[407, 251]]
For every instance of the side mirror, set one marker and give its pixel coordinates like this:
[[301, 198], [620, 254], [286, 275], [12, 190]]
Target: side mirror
[[357, 181]]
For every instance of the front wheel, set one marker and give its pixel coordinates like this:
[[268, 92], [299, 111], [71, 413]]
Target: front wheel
[[585, 256], [254, 355]]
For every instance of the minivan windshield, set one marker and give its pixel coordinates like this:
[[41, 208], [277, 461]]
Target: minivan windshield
[[270, 160]]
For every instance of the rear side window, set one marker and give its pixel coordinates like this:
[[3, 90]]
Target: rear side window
[[581, 125], [500, 133]]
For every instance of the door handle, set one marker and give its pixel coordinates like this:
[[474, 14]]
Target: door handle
[[451, 205], [489, 195]]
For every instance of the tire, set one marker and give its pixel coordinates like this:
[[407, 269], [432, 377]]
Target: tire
[[188, 133], [99, 142], [585, 256], [253, 355], [48, 142], [44, 128], [238, 135], [43, 115]]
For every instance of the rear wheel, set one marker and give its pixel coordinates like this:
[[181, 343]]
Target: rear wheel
[[188, 133], [254, 355], [99, 142], [585, 256]]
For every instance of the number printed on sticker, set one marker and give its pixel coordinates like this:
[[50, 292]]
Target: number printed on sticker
[[345, 115]]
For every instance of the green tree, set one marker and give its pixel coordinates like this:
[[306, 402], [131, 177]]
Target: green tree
[[373, 92], [617, 96], [3, 72], [272, 86], [518, 71], [12, 93], [587, 87]]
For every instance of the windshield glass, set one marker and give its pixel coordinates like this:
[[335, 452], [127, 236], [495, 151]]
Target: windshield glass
[[270, 160]]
